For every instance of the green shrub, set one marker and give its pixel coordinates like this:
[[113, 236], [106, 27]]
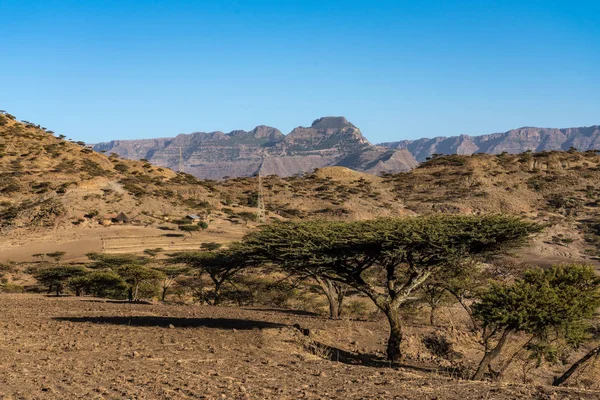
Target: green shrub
[[11, 288]]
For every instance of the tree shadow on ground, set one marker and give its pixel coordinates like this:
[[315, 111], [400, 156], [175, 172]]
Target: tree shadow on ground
[[284, 311], [375, 361], [215, 323], [146, 302]]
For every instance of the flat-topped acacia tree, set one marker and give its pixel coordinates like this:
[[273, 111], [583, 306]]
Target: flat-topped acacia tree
[[132, 268], [220, 265], [387, 259]]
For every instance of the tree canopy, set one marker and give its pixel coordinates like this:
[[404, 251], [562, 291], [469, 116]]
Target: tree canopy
[[55, 278], [397, 254], [220, 265], [545, 304]]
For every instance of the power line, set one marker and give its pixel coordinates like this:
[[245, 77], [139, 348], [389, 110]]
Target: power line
[[261, 213], [181, 168]]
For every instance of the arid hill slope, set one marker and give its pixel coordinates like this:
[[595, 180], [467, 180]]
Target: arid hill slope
[[559, 188], [57, 190], [55, 195]]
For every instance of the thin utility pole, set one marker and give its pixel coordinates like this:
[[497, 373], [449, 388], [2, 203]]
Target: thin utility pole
[[181, 160], [261, 213]]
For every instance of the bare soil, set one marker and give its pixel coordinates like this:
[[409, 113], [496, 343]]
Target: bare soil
[[69, 348], [76, 243]]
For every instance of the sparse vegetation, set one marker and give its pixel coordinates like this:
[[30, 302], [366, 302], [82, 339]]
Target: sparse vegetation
[[424, 275], [403, 253]]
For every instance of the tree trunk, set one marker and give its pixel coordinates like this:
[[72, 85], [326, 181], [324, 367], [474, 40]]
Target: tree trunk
[[130, 294], [341, 293], [512, 358], [335, 296], [58, 290], [136, 289], [432, 315], [491, 355], [77, 292], [393, 347], [164, 292], [465, 306], [217, 299], [562, 379], [334, 310]]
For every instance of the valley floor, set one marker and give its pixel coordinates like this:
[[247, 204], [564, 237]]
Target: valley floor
[[77, 242], [68, 348]]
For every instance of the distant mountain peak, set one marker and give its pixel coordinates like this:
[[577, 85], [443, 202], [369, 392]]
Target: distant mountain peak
[[331, 123], [264, 131], [327, 142]]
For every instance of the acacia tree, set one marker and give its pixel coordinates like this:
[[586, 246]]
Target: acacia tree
[[55, 278], [135, 275], [78, 284], [57, 255], [133, 269], [39, 255], [220, 265], [210, 246], [153, 252], [335, 292], [387, 259], [170, 273], [545, 305], [189, 228], [105, 284], [434, 294]]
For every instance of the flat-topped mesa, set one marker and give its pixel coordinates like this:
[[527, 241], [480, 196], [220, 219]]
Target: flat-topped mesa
[[328, 131], [327, 123]]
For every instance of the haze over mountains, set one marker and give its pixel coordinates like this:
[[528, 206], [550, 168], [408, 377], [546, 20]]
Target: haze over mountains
[[330, 141]]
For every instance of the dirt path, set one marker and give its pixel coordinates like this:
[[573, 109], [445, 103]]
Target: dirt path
[[69, 348]]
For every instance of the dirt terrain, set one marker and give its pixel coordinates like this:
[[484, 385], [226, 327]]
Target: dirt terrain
[[76, 243], [68, 348]]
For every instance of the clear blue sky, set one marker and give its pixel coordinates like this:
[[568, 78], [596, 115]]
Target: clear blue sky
[[100, 70]]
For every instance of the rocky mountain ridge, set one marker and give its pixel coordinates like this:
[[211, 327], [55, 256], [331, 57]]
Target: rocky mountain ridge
[[329, 141], [513, 142]]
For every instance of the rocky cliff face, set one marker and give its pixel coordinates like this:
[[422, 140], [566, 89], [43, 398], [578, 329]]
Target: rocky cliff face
[[328, 141], [513, 141]]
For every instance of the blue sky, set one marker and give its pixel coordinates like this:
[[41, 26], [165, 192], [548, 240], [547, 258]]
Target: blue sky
[[101, 70]]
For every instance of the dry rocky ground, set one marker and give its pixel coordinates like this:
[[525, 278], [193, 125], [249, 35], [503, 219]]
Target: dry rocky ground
[[68, 348]]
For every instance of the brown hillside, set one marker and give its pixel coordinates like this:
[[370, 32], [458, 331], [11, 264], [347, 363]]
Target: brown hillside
[[55, 195], [559, 188]]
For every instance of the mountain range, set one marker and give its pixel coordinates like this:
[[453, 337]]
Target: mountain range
[[513, 142], [329, 141]]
